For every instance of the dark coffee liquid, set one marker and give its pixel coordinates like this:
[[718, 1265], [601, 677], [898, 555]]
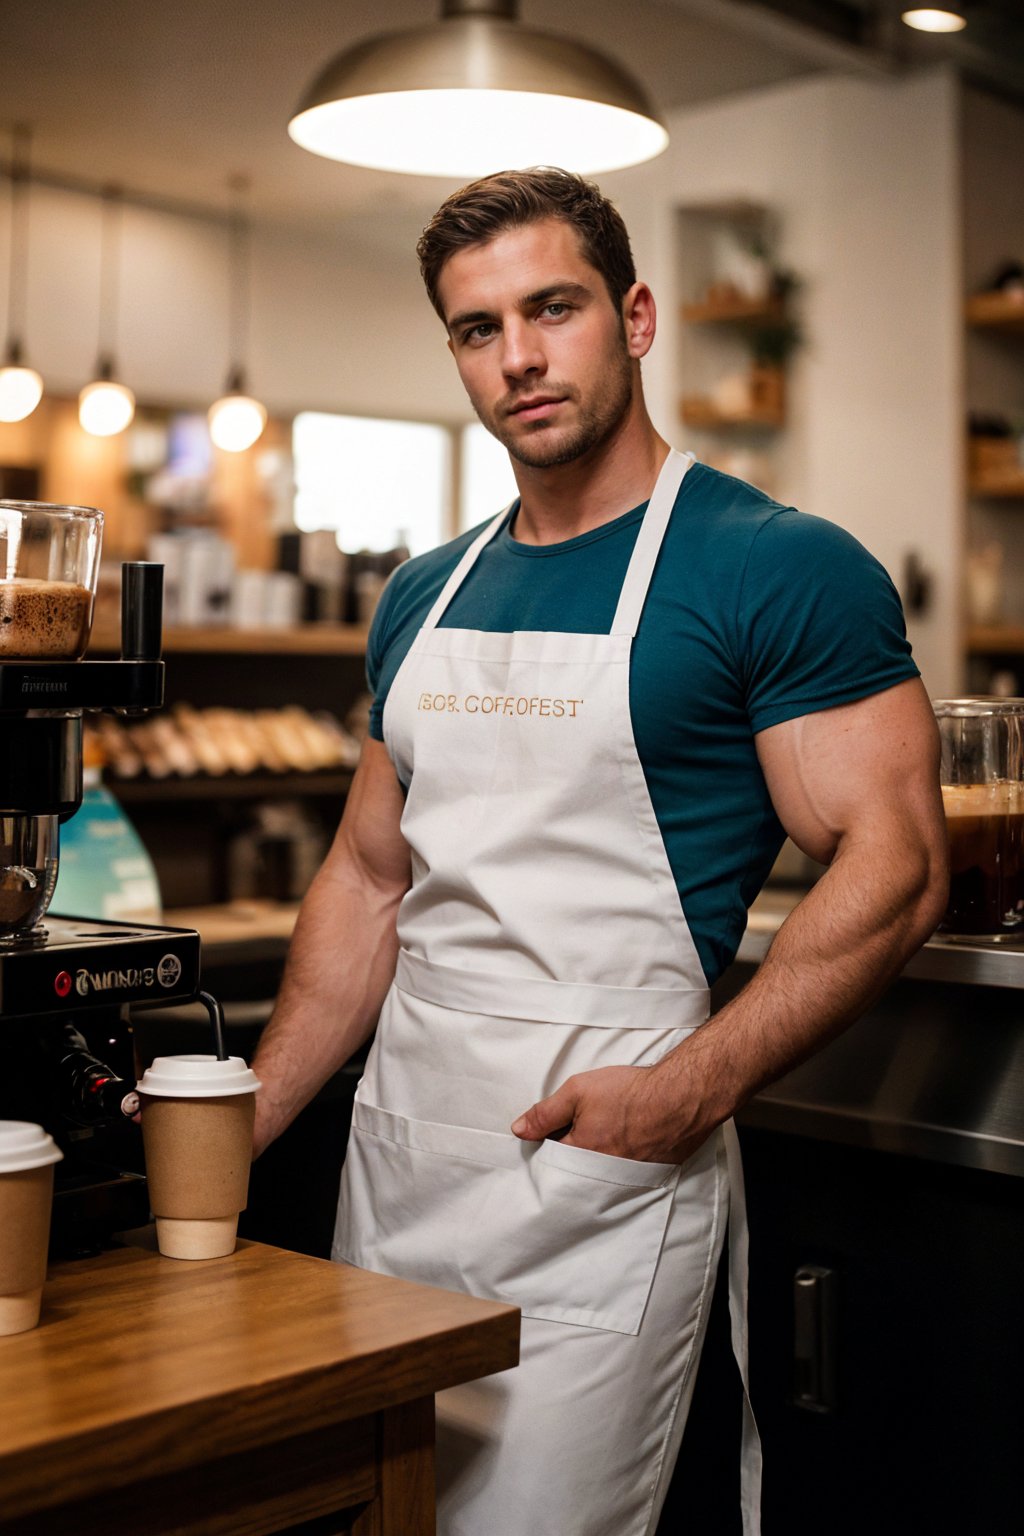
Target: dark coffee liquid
[[985, 827], [43, 620]]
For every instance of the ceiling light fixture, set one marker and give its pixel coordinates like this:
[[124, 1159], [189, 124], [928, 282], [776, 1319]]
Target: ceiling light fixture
[[928, 20], [21, 388], [236, 419], [473, 93], [106, 407]]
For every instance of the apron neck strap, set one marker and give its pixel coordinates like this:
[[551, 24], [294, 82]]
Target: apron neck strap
[[641, 564], [464, 567], [648, 543]]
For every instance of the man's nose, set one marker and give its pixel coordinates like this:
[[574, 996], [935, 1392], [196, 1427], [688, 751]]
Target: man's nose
[[522, 352]]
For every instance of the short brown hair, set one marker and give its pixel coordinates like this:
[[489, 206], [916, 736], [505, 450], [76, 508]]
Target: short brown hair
[[509, 199]]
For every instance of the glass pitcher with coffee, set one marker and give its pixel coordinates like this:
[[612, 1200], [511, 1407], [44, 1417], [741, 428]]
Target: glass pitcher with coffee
[[49, 561], [983, 798]]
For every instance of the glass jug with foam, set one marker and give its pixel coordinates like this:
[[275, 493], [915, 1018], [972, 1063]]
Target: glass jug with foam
[[983, 798]]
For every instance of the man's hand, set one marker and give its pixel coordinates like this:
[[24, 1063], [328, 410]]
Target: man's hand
[[624, 1111]]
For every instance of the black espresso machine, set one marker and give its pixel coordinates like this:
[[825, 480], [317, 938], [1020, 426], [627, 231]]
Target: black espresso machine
[[68, 985]]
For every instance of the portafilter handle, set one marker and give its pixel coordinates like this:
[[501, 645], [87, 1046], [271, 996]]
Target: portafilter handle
[[142, 610]]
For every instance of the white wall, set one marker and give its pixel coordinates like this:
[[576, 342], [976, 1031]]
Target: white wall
[[327, 329], [865, 177]]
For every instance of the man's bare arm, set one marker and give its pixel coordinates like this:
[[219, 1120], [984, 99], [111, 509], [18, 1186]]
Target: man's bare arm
[[342, 957], [857, 788]]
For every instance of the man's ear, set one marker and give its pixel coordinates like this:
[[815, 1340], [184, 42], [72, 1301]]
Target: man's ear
[[639, 319]]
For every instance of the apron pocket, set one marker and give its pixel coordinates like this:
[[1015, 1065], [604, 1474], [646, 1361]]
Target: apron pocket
[[561, 1232]]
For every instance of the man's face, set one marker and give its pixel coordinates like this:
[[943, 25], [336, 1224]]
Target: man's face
[[539, 345]]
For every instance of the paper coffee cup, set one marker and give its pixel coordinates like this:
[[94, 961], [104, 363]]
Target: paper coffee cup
[[27, 1156], [197, 1118]]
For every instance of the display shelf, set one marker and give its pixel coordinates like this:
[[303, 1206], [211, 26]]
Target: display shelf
[[703, 414], [734, 311], [299, 640], [230, 786], [995, 640], [1004, 487], [997, 312]]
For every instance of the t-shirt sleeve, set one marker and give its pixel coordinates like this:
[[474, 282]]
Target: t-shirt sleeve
[[376, 654], [819, 621]]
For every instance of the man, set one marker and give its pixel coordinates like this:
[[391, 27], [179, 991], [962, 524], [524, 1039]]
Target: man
[[594, 721]]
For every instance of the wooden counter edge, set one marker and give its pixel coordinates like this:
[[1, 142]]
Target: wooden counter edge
[[135, 1445]]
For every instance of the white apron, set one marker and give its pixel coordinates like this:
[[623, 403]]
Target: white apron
[[542, 935]]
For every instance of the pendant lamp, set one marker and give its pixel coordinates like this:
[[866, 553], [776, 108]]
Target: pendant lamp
[[473, 93], [21, 387], [106, 407], [236, 419], [928, 19]]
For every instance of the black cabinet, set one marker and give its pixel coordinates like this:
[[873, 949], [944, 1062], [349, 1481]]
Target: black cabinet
[[926, 1265]]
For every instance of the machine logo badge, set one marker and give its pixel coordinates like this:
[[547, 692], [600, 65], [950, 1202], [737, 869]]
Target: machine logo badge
[[62, 984], [168, 971]]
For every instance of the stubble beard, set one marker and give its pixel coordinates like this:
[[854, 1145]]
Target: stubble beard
[[597, 424]]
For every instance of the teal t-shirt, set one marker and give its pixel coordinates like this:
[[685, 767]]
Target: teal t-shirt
[[756, 614]]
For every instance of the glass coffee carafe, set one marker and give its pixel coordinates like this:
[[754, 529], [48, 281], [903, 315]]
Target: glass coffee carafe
[[983, 798], [49, 561]]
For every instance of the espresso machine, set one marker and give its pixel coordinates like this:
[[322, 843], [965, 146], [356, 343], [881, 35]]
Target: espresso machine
[[68, 985]]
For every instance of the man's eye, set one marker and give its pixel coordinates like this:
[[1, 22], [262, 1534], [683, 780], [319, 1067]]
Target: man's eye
[[482, 332], [557, 309]]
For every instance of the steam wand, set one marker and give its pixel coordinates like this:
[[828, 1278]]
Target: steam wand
[[216, 1013]]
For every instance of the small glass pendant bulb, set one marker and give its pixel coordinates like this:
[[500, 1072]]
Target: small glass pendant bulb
[[236, 419], [104, 406], [21, 388]]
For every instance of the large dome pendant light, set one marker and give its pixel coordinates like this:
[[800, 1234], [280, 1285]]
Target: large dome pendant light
[[236, 419], [21, 388], [928, 19], [106, 407], [474, 93]]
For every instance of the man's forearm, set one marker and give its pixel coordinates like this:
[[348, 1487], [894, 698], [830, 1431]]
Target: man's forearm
[[835, 954], [340, 965]]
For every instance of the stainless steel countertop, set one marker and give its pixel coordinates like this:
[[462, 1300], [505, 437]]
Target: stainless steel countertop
[[969, 962], [934, 1070]]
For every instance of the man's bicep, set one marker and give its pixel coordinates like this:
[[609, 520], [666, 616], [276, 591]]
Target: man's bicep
[[370, 834], [868, 769]]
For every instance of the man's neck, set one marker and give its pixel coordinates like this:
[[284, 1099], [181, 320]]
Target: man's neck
[[569, 499]]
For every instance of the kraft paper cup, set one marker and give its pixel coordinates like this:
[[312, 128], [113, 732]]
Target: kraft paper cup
[[27, 1156], [197, 1119]]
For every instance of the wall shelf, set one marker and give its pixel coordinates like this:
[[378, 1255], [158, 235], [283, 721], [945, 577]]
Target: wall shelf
[[229, 786], [1006, 487], [997, 312], [734, 311], [299, 640], [996, 640], [704, 414]]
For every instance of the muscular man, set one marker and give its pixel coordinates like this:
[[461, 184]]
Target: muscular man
[[595, 719]]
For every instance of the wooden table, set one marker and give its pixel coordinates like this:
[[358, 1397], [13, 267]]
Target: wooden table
[[233, 1397]]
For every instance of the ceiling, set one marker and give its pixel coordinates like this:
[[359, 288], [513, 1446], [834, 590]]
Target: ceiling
[[171, 101]]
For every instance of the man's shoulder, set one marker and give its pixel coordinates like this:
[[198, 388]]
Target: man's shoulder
[[429, 572], [416, 583], [718, 505], [716, 521], [732, 516]]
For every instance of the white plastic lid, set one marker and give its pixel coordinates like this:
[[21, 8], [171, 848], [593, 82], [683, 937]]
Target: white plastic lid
[[197, 1077], [24, 1145]]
